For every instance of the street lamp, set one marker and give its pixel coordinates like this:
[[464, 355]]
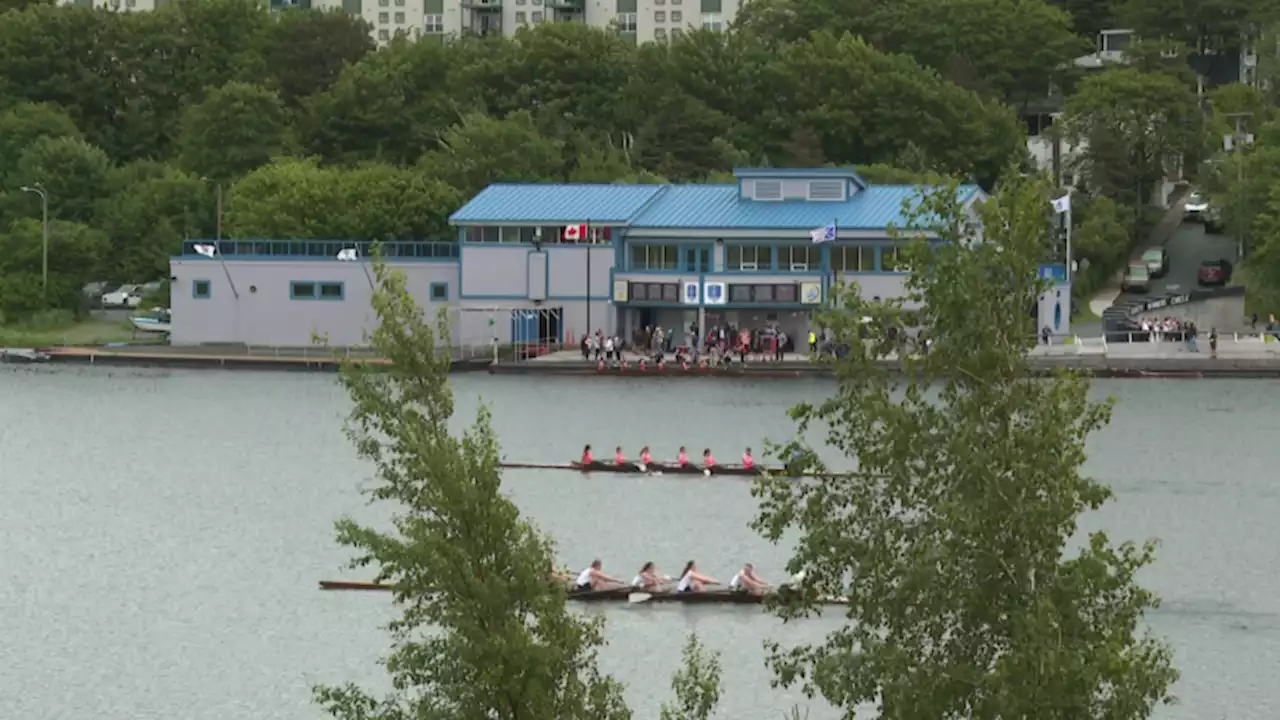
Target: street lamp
[[44, 234]]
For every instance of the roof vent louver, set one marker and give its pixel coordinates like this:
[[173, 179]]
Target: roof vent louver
[[826, 190], [768, 190]]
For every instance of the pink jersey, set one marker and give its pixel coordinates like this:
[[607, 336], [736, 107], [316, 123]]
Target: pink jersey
[[683, 459], [748, 462], [710, 461], [619, 458], [646, 458]]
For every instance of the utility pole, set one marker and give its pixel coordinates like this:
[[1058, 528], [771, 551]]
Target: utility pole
[[44, 235], [1238, 140]]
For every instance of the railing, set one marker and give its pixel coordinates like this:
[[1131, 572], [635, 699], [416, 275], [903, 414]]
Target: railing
[[439, 250]]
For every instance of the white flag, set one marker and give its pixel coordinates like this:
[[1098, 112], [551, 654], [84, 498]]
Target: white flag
[[347, 254], [1062, 204], [206, 250], [823, 234]]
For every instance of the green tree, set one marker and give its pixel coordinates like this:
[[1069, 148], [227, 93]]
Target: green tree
[[1010, 49], [1218, 25], [237, 128], [1134, 126], [23, 124], [72, 172], [147, 216], [483, 632], [836, 86], [481, 150], [696, 685], [299, 199], [75, 252], [951, 536], [306, 51]]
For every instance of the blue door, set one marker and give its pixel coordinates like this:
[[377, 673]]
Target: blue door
[[697, 259]]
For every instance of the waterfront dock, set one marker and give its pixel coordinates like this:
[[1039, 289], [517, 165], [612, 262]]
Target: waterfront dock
[[1237, 356]]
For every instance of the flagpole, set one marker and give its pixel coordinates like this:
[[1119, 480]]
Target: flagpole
[[588, 283], [1068, 219], [217, 248]]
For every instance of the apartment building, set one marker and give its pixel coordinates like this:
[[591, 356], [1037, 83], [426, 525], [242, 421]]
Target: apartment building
[[639, 20]]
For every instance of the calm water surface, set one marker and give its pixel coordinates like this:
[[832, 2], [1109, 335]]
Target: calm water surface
[[161, 534]]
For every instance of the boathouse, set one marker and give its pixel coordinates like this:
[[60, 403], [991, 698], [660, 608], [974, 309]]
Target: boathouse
[[554, 261]]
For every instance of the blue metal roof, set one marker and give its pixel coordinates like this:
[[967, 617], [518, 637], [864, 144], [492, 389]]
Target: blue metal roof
[[686, 206], [555, 204], [720, 206]]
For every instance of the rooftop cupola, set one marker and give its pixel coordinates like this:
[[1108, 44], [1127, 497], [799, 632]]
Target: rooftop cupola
[[798, 185]]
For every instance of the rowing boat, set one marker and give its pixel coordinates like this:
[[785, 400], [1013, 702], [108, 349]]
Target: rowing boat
[[650, 469], [621, 594]]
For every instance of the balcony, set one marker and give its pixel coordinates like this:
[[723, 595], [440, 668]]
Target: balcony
[[482, 5], [574, 6]]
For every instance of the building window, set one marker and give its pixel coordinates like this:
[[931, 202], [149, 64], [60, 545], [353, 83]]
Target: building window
[[433, 24], [654, 257], [677, 16], [713, 21], [521, 2], [627, 22], [676, 33], [659, 2], [799, 258], [384, 3], [302, 291], [522, 17], [676, 2], [537, 16], [853, 258], [201, 289], [399, 18], [384, 18], [660, 34], [659, 16], [768, 190], [889, 259], [826, 190], [748, 258], [439, 292]]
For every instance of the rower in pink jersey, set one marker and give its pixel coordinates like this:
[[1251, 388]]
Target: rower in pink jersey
[[748, 462], [645, 457], [708, 461], [586, 455], [683, 459], [618, 457]]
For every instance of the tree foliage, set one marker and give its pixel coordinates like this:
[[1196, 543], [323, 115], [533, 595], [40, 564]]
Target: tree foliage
[[951, 539], [696, 685], [483, 631]]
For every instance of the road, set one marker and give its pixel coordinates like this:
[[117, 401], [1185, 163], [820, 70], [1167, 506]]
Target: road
[[1189, 246]]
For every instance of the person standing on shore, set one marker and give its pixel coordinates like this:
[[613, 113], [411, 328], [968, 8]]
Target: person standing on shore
[[1213, 341]]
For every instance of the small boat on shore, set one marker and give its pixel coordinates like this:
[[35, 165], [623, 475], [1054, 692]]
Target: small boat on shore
[[158, 321], [620, 594], [656, 468], [22, 355]]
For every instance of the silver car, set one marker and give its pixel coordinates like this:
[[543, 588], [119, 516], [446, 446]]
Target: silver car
[[1157, 261], [1136, 279], [1196, 207]]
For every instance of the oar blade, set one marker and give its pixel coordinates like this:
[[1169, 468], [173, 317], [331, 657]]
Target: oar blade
[[639, 597]]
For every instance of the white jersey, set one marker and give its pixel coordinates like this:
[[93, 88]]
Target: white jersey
[[638, 581], [736, 582], [685, 581], [584, 578]]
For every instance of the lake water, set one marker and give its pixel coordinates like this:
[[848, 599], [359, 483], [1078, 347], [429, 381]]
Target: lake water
[[161, 534]]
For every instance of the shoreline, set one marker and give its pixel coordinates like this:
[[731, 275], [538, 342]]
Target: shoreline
[[1176, 366]]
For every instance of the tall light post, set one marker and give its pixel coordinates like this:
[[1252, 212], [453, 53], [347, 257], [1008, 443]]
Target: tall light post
[[44, 234], [218, 190], [1238, 140]]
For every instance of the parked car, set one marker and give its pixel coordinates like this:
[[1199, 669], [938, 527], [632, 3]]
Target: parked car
[[1157, 261], [1136, 279], [151, 287], [128, 296], [1215, 272], [1196, 207]]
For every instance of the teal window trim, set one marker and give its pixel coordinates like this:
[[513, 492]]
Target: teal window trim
[[439, 291], [201, 294], [330, 290]]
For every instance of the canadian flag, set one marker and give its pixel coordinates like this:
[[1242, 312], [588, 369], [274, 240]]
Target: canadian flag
[[575, 233]]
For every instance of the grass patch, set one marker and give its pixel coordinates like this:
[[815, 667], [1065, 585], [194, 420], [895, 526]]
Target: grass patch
[[57, 330], [1085, 314]]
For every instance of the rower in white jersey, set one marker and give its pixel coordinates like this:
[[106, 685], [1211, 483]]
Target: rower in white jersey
[[593, 578], [746, 580], [649, 579], [693, 581]]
